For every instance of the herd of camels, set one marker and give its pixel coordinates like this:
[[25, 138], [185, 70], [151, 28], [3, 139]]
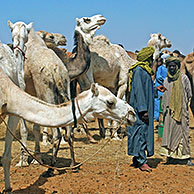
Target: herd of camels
[[38, 83]]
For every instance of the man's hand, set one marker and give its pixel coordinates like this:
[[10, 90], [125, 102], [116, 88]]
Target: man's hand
[[161, 88], [144, 117]]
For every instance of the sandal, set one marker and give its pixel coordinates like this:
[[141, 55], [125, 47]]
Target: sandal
[[146, 168]]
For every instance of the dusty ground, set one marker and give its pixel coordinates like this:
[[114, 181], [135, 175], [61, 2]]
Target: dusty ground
[[109, 171]]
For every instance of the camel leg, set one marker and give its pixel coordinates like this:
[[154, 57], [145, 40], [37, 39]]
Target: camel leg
[[45, 141], [24, 135], [63, 142], [56, 143], [122, 88], [101, 128], [114, 127], [108, 131], [70, 142], [36, 131], [6, 158], [91, 139]]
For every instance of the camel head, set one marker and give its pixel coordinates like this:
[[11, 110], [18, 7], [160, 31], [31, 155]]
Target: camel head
[[189, 62], [106, 105], [87, 26], [52, 39], [158, 42], [20, 32]]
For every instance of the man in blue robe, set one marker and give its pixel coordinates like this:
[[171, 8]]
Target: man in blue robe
[[161, 74], [141, 134]]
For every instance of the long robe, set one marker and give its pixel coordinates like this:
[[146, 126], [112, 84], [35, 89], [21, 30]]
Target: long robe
[[160, 76], [141, 135], [176, 133]]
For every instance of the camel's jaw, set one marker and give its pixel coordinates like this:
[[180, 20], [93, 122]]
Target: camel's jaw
[[62, 43], [131, 118], [168, 44], [98, 24]]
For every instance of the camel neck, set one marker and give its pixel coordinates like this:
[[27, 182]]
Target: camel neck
[[21, 104]]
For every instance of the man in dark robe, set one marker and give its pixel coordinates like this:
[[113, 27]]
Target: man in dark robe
[[175, 140], [141, 134]]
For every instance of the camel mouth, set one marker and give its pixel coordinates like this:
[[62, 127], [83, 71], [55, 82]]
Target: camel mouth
[[96, 26], [62, 43], [101, 21], [131, 118], [129, 123], [169, 45]]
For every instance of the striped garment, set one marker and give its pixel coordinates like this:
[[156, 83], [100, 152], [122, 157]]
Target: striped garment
[[176, 133]]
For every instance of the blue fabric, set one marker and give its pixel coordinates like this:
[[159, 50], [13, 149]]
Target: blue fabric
[[160, 76], [141, 135], [141, 158]]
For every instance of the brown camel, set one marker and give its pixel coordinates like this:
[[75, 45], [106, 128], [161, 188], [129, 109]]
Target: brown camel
[[187, 66]]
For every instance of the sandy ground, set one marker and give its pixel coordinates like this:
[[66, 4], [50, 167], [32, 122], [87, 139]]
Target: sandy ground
[[109, 171]]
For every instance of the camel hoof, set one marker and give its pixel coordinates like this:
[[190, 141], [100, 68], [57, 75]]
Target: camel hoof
[[22, 164], [117, 139], [63, 142], [45, 143], [93, 141], [48, 173], [35, 162]]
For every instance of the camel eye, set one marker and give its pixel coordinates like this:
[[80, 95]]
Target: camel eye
[[51, 37], [110, 104], [87, 20]]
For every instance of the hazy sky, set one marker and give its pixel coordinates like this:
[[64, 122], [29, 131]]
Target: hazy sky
[[129, 22]]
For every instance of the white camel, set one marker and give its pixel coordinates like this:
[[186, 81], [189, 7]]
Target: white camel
[[19, 37], [47, 77], [158, 42], [109, 62], [98, 102], [11, 63]]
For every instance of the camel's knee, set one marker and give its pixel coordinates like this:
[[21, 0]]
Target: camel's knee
[[6, 161]]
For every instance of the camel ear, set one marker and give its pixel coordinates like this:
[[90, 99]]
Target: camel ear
[[42, 34], [3, 108], [94, 89], [159, 35], [78, 22], [10, 24], [151, 35], [29, 26]]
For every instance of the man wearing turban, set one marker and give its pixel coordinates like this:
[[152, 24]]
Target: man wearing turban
[[141, 134], [175, 140], [161, 74]]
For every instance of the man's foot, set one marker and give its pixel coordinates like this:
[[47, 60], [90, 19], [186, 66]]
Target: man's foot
[[146, 168], [190, 163], [135, 162], [170, 160]]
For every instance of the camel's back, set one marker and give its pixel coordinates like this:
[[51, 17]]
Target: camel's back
[[108, 61], [43, 67]]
